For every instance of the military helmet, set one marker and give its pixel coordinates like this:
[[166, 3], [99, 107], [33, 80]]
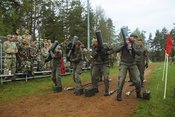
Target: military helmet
[[78, 42], [9, 36], [133, 35]]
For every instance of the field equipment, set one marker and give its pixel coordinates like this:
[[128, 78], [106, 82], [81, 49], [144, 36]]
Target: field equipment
[[89, 91], [124, 31], [101, 50], [146, 94], [112, 92], [71, 47], [129, 92], [52, 48], [79, 92]]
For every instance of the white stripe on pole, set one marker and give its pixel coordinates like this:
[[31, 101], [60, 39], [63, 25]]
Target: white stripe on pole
[[166, 74], [164, 65]]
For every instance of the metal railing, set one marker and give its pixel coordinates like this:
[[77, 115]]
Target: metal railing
[[1, 61]]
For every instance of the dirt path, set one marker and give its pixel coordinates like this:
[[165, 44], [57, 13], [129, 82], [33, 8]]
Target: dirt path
[[65, 104]]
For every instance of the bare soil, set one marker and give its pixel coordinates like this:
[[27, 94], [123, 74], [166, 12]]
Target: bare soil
[[66, 104]]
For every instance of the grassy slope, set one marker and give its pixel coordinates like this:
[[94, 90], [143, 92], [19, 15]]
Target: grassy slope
[[157, 106]]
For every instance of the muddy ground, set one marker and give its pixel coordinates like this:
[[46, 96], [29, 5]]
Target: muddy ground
[[66, 104]]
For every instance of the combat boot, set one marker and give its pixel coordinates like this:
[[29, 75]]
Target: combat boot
[[119, 96], [107, 93], [57, 89], [96, 90], [138, 95]]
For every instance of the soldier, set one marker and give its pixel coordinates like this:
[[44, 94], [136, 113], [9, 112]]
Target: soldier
[[19, 37], [10, 51], [128, 52], [24, 56], [142, 60], [56, 68], [28, 37], [76, 60], [33, 55], [100, 68]]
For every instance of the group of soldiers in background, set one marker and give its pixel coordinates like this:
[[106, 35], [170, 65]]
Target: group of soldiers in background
[[21, 53]]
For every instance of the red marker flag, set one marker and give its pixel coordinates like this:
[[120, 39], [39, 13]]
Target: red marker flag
[[169, 44]]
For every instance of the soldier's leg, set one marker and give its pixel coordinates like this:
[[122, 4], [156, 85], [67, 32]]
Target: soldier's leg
[[123, 72], [77, 75], [73, 72], [58, 77], [13, 67], [95, 76], [134, 71], [6, 66], [105, 72], [141, 68], [53, 75]]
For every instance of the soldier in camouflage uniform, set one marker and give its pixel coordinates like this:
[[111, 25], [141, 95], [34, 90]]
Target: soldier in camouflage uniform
[[10, 51], [77, 62], [17, 40], [28, 37], [19, 37], [56, 68], [24, 56], [142, 60], [33, 55], [100, 67], [128, 53]]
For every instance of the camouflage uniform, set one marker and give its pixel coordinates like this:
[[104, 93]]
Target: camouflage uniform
[[10, 50], [100, 68], [128, 63], [33, 54], [77, 62], [56, 68], [28, 37], [142, 62], [24, 57]]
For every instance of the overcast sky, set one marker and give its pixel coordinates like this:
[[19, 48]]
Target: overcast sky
[[147, 15]]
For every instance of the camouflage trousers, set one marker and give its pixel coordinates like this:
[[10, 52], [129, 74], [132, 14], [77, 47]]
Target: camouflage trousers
[[100, 70], [25, 66], [56, 71], [77, 69], [10, 64], [141, 68], [133, 72]]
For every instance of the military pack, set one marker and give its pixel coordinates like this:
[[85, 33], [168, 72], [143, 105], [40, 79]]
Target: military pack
[[146, 94], [89, 91]]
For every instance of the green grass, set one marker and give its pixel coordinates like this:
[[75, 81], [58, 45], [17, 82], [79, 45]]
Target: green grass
[[15, 90], [157, 106]]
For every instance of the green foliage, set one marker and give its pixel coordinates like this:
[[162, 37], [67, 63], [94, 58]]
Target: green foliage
[[55, 20], [156, 45], [157, 106]]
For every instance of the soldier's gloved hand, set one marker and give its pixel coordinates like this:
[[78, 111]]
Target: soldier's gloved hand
[[146, 65]]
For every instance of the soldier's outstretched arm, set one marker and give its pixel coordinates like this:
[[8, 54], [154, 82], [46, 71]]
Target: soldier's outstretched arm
[[118, 48]]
